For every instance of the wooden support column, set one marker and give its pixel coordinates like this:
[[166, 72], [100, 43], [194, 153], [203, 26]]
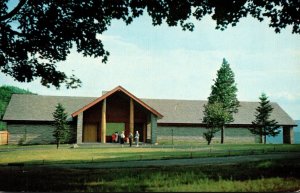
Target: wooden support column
[[153, 120], [145, 133], [79, 128], [131, 116], [148, 129], [103, 122]]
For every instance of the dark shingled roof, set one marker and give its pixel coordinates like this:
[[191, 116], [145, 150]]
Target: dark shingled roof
[[24, 107], [191, 112]]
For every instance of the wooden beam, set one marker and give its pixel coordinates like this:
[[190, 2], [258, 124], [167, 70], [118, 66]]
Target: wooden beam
[[103, 122], [131, 116]]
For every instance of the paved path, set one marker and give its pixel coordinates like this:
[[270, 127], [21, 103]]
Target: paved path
[[179, 162]]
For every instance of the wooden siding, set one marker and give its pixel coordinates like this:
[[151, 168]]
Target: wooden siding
[[3, 137], [90, 133]]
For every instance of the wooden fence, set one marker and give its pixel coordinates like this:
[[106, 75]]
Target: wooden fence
[[4, 137]]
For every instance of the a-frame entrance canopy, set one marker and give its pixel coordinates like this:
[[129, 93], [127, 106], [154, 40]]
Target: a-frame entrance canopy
[[112, 92], [116, 111]]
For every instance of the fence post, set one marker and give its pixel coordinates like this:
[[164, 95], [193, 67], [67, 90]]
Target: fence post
[[172, 138]]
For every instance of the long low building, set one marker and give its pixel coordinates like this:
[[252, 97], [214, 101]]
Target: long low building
[[29, 118]]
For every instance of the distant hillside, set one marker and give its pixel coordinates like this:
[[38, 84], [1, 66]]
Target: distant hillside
[[5, 95]]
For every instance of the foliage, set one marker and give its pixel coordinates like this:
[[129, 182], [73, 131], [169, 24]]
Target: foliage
[[222, 102], [37, 34], [215, 117], [263, 125], [61, 132], [5, 95]]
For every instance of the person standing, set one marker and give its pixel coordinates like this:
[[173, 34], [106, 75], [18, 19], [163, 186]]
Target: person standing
[[130, 139], [116, 137], [113, 137], [136, 137], [122, 137]]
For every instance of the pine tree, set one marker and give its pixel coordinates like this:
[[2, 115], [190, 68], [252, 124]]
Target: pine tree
[[263, 125], [61, 132], [224, 92]]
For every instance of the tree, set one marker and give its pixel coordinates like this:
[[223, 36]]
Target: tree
[[215, 117], [263, 125], [61, 132], [224, 92], [37, 34]]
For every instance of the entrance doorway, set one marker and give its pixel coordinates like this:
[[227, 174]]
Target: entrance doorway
[[90, 132]]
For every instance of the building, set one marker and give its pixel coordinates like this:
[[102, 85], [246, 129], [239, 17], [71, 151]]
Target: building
[[94, 120]]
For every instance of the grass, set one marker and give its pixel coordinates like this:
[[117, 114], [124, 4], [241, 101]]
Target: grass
[[39, 174], [48, 154], [261, 176]]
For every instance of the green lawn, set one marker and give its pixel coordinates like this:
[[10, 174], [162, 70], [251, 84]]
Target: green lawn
[[261, 176], [48, 154], [39, 174]]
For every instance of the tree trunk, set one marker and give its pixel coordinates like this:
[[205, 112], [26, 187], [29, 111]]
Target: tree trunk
[[260, 136], [265, 139], [208, 142], [260, 139], [222, 134]]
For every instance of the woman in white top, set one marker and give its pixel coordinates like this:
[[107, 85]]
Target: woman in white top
[[136, 137]]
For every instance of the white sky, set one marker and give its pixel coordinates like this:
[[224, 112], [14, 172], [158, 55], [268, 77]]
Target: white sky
[[166, 62]]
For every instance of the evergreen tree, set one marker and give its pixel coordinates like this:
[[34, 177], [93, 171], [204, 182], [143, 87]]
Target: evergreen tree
[[224, 92], [263, 125], [61, 132], [215, 117]]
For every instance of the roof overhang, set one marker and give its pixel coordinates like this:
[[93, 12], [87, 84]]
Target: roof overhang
[[117, 89]]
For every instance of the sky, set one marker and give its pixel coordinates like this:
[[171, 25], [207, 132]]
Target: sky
[[168, 63]]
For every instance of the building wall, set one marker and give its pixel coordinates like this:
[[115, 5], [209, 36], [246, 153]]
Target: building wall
[[192, 135], [32, 133], [42, 134]]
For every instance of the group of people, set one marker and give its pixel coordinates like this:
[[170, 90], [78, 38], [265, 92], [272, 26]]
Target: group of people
[[120, 138]]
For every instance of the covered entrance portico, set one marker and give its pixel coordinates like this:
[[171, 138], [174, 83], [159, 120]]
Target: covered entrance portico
[[116, 110]]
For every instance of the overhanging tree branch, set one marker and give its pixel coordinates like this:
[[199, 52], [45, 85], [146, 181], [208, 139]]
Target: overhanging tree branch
[[51, 28], [14, 11]]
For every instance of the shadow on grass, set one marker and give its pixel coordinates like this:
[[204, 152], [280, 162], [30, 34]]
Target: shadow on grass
[[137, 179]]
